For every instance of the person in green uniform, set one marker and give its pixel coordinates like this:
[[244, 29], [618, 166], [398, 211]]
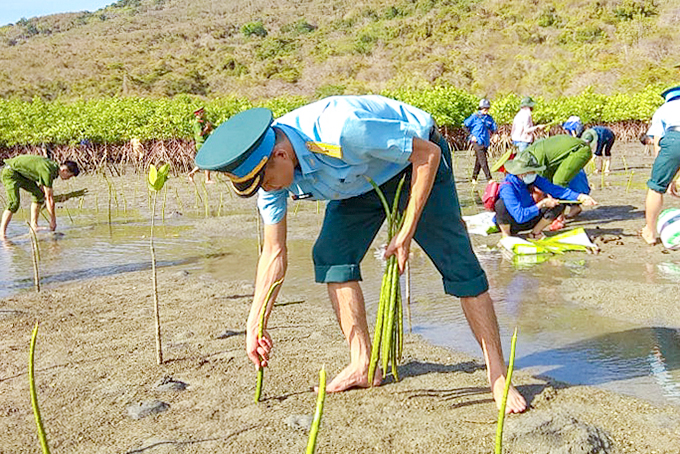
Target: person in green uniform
[[202, 129], [34, 174], [563, 157]]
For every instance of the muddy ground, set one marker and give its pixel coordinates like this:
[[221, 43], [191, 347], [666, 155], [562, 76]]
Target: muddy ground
[[96, 357]]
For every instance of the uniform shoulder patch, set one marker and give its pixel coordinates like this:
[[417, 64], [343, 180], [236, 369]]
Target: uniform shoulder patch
[[334, 151]]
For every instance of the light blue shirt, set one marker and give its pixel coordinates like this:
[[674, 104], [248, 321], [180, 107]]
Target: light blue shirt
[[666, 116], [375, 135]]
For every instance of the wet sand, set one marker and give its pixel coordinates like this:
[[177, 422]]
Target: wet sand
[[96, 355]]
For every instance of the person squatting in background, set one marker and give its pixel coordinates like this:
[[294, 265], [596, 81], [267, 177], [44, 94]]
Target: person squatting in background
[[516, 210], [481, 127]]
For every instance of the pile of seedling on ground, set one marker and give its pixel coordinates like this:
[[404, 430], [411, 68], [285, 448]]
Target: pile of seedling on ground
[[388, 339]]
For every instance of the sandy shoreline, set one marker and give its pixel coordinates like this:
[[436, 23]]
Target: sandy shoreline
[[95, 357]]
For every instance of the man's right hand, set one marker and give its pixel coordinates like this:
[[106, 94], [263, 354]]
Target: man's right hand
[[258, 350]]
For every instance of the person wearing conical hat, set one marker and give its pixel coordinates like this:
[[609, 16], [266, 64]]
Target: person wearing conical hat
[[328, 150], [523, 127], [516, 210], [665, 131]]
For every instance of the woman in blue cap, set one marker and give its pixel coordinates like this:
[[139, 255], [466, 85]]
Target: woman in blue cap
[[665, 130], [327, 150]]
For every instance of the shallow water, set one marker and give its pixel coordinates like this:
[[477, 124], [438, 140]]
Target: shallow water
[[557, 337]]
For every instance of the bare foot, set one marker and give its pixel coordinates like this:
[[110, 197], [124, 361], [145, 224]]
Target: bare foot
[[649, 237], [352, 378], [209, 182], [515, 402]]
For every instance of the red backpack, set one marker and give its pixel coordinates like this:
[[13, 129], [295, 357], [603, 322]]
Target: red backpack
[[491, 195]]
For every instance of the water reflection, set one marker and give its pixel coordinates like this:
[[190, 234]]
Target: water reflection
[[621, 356]]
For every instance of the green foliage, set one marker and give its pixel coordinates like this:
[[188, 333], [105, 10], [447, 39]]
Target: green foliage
[[282, 68], [233, 67], [255, 28], [275, 47], [299, 27], [631, 9], [116, 120], [157, 178]]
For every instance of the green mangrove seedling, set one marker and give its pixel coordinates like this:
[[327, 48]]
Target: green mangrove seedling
[[501, 412], [388, 334], [34, 394], [260, 333], [35, 256], [156, 180], [316, 422]]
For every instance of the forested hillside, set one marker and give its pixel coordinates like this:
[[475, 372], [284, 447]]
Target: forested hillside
[[261, 49]]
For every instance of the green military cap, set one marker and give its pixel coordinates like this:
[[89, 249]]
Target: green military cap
[[240, 147], [527, 101], [671, 93], [524, 162]]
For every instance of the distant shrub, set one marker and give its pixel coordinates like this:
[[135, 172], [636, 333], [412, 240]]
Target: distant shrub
[[298, 27], [127, 4], [275, 47], [631, 9], [283, 69], [233, 67], [255, 28], [549, 18]]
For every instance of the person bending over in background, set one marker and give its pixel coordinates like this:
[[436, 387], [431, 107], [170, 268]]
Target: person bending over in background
[[600, 138], [481, 127], [34, 174], [665, 130], [516, 210], [564, 158]]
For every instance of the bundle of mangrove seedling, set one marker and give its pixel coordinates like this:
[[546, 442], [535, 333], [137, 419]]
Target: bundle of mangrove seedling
[[388, 336]]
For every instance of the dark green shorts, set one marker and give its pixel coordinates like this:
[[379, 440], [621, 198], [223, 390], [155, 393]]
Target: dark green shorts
[[13, 181], [350, 226], [666, 164]]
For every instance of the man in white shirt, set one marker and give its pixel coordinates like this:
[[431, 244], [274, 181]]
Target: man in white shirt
[[523, 125]]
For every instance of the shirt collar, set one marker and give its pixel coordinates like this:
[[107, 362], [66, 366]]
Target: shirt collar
[[308, 162]]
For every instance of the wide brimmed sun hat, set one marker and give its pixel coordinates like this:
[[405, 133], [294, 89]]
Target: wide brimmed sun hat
[[527, 101], [524, 162]]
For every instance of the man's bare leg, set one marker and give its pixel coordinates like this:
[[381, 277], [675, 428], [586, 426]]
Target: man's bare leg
[[348, 303], [653, 206], [481, 317], [6, 217], [35, 212]]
